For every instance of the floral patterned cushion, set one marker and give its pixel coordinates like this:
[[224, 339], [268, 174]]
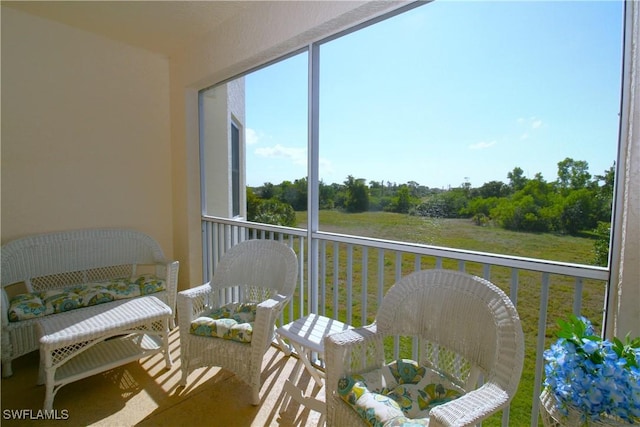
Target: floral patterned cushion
[[150, 284], [59, 302], [375, 408], [37, 304], [401, 393], [244, 313], [25, 306], [232, 321], [124, 288], [93, 293]]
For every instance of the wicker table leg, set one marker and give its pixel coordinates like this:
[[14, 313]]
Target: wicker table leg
[[46, 375], [165, 344]]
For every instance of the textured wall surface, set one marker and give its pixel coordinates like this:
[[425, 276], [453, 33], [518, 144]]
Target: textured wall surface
[[85, 132]]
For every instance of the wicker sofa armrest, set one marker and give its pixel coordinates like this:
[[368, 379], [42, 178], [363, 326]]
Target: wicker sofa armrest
[[4, 307], [168, 270]]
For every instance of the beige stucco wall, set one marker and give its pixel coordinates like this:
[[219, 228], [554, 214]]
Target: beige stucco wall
[[85, 132]]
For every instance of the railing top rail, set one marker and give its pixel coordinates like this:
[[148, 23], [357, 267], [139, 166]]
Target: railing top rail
[[258, 226], [510, 261]]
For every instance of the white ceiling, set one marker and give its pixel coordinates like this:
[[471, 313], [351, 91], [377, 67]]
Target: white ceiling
[[158, 26]]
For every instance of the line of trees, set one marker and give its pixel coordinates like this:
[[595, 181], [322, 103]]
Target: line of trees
[[575, 202]]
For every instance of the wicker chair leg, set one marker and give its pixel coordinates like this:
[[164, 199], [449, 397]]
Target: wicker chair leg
[[185, 373]]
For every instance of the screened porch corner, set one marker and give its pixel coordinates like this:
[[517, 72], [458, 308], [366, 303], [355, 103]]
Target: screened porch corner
[[345, 277]]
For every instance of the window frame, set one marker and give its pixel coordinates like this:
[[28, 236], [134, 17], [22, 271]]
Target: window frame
[[235, 142]]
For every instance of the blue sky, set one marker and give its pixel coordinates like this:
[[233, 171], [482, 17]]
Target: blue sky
[[449, 92]]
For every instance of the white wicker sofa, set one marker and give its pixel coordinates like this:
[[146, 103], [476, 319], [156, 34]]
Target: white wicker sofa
[[50, 274]]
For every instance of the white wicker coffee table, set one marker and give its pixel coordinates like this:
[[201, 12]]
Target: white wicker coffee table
[[77, 345]]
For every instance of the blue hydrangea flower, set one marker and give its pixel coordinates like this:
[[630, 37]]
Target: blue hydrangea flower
[[596, 377]]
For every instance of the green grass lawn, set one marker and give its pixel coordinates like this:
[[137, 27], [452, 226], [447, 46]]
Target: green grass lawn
[[463, 234], [456, 233]]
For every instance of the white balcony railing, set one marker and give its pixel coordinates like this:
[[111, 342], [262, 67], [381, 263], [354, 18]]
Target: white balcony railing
[[346, 276]]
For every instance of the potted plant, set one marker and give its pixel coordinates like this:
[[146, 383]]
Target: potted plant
[[589, 380]]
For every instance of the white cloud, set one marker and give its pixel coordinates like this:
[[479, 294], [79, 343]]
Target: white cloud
[[482, 145], [298, 156], [531, 122], [251, 136]]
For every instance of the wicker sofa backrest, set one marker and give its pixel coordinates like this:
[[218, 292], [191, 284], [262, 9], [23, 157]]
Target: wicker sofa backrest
[[50, 260]]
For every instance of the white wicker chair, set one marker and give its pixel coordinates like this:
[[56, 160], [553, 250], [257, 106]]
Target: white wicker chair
[[254, 271], [466, 328]]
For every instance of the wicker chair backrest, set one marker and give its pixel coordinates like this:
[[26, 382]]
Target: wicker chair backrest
[[258, 264], [464, 314]]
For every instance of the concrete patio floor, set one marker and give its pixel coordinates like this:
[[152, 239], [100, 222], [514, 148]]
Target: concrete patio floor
[[145, 393]]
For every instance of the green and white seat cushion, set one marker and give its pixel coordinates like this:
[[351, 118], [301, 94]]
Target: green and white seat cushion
[[37, 304], [233, 322], [401, 393]]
